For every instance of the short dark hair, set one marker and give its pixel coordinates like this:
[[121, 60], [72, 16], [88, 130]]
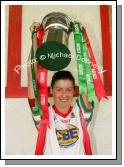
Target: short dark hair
[[62, 75]]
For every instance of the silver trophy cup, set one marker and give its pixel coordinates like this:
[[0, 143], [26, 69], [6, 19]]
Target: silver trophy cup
[[54, 48]]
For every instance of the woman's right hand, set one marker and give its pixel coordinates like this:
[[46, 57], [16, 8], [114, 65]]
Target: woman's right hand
[[34, 24]]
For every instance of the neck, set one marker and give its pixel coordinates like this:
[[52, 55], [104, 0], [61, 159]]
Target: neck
[[63, 110]]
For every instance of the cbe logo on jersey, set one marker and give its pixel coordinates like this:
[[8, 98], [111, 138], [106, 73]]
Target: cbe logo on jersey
[[68, 136]]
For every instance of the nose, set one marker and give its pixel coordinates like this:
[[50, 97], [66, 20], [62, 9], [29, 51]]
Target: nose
[[64, 93]]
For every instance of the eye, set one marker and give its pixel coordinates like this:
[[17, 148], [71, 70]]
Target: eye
[[69, 89], [58, 89]]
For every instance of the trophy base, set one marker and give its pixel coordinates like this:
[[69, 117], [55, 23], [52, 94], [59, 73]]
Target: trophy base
[[53, 56]]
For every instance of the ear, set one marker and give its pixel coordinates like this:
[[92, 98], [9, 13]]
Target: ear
[[74, 91], [51, 90]]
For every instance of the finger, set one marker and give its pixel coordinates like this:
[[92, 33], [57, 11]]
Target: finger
[[35, 24]]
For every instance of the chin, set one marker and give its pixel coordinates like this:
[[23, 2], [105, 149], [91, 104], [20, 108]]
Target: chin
[[65, 104]]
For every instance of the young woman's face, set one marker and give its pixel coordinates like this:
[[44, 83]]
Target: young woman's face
[[63, 92]]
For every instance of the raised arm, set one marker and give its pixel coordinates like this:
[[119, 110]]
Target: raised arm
[[31, 97]]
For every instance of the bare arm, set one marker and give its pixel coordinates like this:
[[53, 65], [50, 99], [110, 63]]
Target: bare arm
[[31, 97], [30, 85]]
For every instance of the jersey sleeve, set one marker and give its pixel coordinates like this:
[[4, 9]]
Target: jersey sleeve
[[87, 108], [35, 113]]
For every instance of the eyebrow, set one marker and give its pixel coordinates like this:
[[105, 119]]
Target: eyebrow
[[62, 88]]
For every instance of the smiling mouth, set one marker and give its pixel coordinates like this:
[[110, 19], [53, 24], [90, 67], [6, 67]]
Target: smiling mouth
[[64, 100]]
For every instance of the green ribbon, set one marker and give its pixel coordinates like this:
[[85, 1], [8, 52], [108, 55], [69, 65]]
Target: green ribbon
[[35, 85], [85, 79], [80, 64]]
